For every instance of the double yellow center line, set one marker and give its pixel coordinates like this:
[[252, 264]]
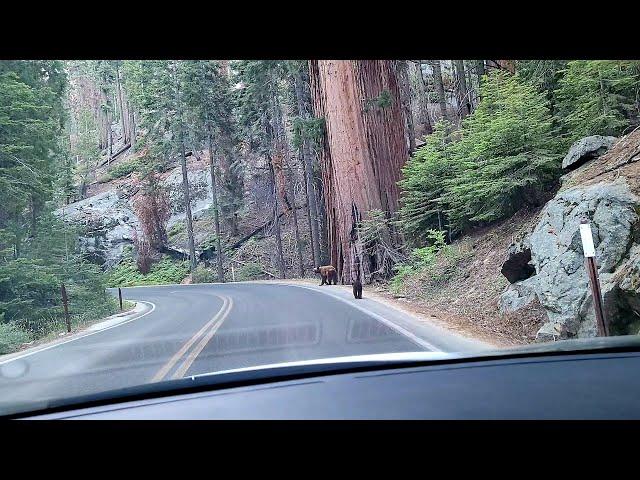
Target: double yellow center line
[[204, 335]]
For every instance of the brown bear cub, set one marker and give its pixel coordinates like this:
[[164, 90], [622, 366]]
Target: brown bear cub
[[328, 273]]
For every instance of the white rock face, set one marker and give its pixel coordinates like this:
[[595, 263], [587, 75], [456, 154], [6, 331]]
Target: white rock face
[[110, 222], [199, 191], [518, 295]]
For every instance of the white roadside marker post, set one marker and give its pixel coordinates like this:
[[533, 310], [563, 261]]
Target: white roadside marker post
[[592, 270]]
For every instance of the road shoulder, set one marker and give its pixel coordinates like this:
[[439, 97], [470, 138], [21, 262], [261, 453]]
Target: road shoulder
[[140, 309], [431, 329]]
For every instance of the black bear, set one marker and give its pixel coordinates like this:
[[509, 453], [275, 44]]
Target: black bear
[[357, 289]]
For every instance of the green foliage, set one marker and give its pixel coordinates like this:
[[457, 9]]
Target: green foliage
[[30, 296], [211, 242], [31, 151], [262, 90], [421, 259], [37, 250], [599, 97], [311, 129], [203, 275], [125, 168], [545, 75], [422, 183], [165, 271], [374, 227], [382, 101], [176, 229], [250, 271], [504, 157], [11, 338]]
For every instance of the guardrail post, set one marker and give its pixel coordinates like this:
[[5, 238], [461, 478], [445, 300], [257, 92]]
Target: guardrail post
[[592, 270], [120, 296]]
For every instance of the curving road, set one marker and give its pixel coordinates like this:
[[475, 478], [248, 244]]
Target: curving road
[[187, 330]]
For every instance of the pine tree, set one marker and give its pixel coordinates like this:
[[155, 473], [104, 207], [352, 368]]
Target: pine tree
[[599, 97], [422, 184], [507, 154], [37, 250], [504, 157]]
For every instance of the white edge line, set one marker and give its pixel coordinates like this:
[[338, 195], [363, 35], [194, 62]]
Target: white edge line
[[153, 307], [396, 327]]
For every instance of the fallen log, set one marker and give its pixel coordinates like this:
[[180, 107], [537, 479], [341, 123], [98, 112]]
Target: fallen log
[[115, 155]]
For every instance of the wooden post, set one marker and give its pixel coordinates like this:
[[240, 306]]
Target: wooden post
[[594, 281], [120, 296], [66, 307]]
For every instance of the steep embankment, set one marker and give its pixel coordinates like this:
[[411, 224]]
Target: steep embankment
[[108, 219], [463, 286], [524, 279]]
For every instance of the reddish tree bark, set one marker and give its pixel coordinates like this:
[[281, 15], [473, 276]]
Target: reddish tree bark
[[364, 149]]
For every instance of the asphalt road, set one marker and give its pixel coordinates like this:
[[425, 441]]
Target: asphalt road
[[193, 329]]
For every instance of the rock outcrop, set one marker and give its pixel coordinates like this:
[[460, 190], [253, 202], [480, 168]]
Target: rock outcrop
[[606, 192], [108, 224], [586, 149], [108, 219], [518, 266], [517, 296], [561, 282], [199, 190]]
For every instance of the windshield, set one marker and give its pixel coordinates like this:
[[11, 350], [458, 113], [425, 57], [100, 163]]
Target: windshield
[[166, 219]]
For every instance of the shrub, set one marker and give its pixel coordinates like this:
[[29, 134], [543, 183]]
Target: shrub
[[250, 271], [421, 259], [422, 183], [11, 337], [203, 275], [153, 210], [30, 297], [144, 257], [176, 229], [123, 169], [165, 271], [506, 157]]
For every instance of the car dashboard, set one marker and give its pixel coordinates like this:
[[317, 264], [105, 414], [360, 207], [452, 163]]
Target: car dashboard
[[592, 385]]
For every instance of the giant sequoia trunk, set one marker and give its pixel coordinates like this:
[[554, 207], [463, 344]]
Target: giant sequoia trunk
[[363, 153]]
